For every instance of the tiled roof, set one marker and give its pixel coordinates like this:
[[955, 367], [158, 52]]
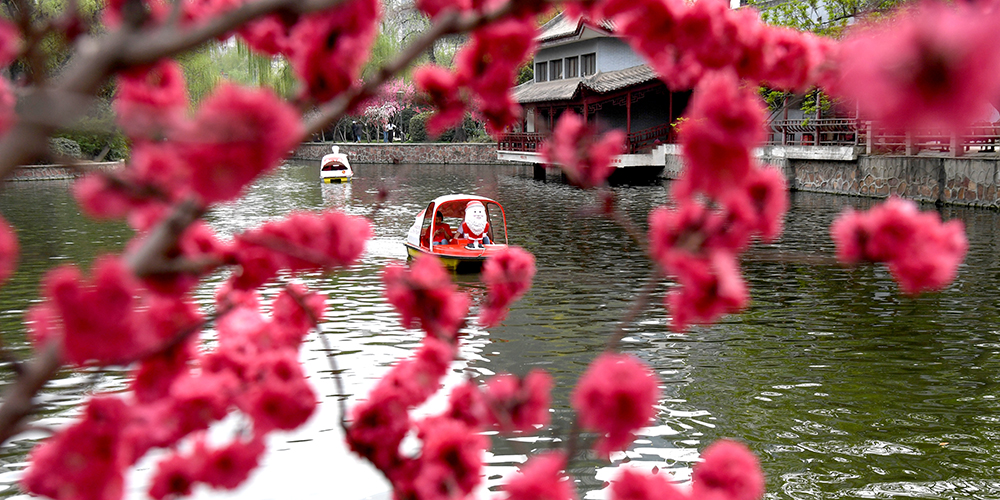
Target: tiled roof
[[563, 27], [614, 80], [566, 89]]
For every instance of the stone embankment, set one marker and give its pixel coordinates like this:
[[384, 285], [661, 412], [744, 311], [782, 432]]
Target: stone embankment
[[971, 180], [405, 152], [56, 172]]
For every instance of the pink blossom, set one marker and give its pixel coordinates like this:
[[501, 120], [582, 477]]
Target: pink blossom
[[922, 252], [634, 485], [270, 34], [467, 403], [196, 401], [728, 470], [236, 135], [294, 313], [415, 379], [434, 8], [457, 449], [8, 102], [507, 276], [488, 65], [10, 42], [691, 231], [935, 65], [151, 100], [615, 397], [586, 158], [519, 404], [85, 461], [329, 48], [760, 202], [229, 466], [725, 122], [442, 86], [792, 60], [9, 250], [174, 477], [154, 376], [710, 288], [99, 317], [542, 477], [378, 427], [426, 293], [281, 397], [302, 241]]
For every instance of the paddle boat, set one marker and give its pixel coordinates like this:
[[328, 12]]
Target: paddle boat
[[466, 230], [334, 167]]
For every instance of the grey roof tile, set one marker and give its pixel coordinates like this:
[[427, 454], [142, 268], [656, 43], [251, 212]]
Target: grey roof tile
[[566, 89]]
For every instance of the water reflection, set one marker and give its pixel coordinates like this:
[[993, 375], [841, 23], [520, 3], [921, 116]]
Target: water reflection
[[843, 387]]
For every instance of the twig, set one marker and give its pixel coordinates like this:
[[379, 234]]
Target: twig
[[18, 401]]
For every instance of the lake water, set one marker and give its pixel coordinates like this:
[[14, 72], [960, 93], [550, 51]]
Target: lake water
[[842, 387]]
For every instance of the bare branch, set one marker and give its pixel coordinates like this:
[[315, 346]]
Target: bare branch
[[18, 401]]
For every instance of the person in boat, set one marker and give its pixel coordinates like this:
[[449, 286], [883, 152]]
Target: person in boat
[[443, 233], [476, 225]]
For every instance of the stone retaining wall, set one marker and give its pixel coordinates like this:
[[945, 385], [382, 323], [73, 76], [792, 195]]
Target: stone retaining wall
[[954, 181], [55, 172], [970, 180], [404, 152]]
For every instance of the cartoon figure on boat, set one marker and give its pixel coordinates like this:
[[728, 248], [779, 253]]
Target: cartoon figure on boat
[[482, 231]]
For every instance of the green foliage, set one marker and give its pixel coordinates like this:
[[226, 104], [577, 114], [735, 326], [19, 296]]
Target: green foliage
[[205, 68], [63, 147], [418, 127], [775, 99], [525, 73], [383, 50], [824, 17], [816, 102]]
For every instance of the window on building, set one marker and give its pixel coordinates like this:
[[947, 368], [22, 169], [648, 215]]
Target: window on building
[[571, 67], [541, 72], [588, 64], [555, 70]]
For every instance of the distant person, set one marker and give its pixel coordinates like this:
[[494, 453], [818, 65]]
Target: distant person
[[390, 131], [356, 130]]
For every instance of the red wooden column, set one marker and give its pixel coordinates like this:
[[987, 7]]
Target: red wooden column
[[628, 114]]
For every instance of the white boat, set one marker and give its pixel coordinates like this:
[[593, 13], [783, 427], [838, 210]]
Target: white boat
[[334, 167]]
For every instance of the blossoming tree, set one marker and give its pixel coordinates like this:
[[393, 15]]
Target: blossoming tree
[[933, 64]]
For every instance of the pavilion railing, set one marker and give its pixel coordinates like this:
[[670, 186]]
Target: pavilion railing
[[822, 132], [979, 138], [520, 141], [644, 140], [638, 142]]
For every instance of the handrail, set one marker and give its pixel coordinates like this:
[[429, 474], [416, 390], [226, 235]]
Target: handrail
[[982, 137]]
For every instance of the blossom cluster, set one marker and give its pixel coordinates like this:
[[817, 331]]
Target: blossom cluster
[[724, 200], [583, 155], [923, 253], [178, 390], [614, 398]]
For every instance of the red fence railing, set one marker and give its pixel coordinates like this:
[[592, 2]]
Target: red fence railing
[[979, 138]]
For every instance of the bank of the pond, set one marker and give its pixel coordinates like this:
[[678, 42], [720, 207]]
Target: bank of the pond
[[56, 172], [476, 153], [972, 180]]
